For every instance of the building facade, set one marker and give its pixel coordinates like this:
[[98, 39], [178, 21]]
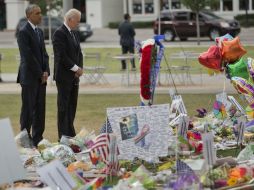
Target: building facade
[[99, 13], [145, 10]]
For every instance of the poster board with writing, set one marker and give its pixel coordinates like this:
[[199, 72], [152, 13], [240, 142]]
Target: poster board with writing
[[141, 131]]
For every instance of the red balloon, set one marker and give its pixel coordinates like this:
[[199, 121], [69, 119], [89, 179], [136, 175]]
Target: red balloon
[[212, 58]]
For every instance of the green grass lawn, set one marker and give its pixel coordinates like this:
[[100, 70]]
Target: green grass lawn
[[91, 111], [10, 64]]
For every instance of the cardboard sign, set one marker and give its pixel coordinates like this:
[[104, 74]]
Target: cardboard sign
[[206, 125], [183, 126], [222, 97], [208, 149], [55, 175], [177, 107], [142, 131], [182, 108], [241, 128], [11, 168], [236, 104], [172, 93]]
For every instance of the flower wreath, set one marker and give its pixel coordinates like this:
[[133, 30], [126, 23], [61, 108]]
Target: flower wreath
[[147, 62]]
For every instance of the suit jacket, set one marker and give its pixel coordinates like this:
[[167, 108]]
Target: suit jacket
[[127, 33], [34, 58], [67, 53]]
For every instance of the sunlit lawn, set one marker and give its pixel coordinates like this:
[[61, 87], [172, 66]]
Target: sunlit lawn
[[10, 64], [91, 112]]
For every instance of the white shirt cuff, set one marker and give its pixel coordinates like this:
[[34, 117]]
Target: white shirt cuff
[[75, 68]]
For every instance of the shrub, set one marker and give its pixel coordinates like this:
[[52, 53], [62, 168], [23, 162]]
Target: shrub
[[242, 20], [144, 24]]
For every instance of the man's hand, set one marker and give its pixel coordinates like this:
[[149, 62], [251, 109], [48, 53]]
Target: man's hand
[[79, 72], [44, 77]]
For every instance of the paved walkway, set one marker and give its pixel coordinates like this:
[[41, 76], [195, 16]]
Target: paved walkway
[[105, 37], [195, 84]]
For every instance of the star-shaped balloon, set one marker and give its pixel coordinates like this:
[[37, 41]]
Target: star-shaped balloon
[[232, 50]]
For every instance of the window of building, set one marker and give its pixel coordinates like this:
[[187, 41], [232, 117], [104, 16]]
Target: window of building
[[175, 4], [243, 4], [137, 6], [149, 7], [2, 15], [81, 6], [215, 5], [227, 5], [164, 5]]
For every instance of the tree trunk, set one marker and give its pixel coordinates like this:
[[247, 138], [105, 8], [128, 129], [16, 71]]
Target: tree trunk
[[198, 27], [246, 11]]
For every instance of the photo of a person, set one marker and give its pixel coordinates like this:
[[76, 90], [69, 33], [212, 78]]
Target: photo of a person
[[128, 126]]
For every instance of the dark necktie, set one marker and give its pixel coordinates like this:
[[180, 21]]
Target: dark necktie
[[74, 39], [37, 34]]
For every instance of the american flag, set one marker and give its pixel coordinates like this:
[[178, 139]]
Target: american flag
[[106, 127], [106, 150]]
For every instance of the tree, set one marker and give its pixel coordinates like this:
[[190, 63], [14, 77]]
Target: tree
[[197, 6], [55, 6]]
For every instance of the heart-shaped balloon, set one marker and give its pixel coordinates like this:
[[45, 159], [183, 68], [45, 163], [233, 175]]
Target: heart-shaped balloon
[[212, 58]]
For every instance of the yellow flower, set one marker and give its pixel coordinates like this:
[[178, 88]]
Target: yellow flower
[[232, 181]]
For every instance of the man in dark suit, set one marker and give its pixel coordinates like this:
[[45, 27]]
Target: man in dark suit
[[33, 74], [127, 33], [68, 67]]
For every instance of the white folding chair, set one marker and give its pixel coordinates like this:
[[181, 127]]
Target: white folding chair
[[94, 69]]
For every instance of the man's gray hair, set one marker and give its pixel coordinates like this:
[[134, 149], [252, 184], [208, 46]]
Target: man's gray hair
[[30, 8], [72, 13]]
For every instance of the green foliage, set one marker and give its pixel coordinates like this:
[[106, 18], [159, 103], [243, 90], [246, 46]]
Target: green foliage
[[54, 4], [42, 5], [243, 16], [195, 5], [243, 21], [113, 24], [144, 24]]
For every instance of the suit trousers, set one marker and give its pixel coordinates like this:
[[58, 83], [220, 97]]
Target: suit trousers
[[125, 50], [67, 98], [33, 110]]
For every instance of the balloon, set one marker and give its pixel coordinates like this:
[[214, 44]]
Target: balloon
[[249, 112], [212, 72], [232, 50], [226, 37], [211, 58], [242, 86], [250, 66], [238, 69]]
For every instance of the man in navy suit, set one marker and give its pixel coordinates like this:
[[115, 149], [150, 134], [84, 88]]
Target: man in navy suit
[[33, 74], [68, 67], [127, 33]]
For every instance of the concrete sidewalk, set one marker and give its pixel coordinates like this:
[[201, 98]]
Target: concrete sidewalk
[[106, 37], [195, 84]]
